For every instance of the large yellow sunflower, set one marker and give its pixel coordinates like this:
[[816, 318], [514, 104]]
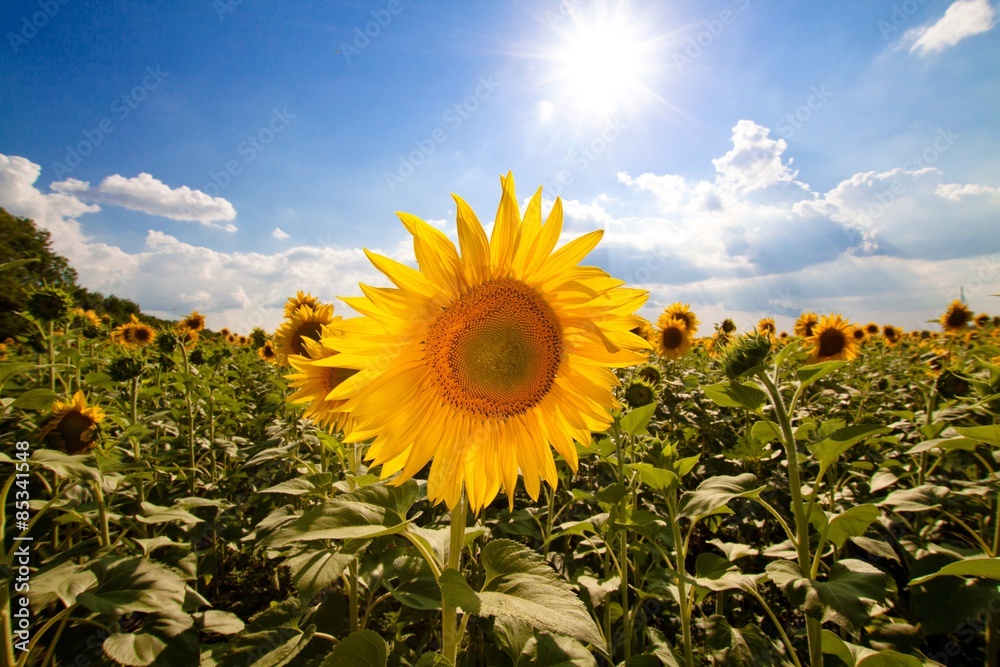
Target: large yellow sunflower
[[483, 360], [957, 317], [304, 323], [832, 338], [682, 311], [804, 325], [72, 426], [672, 338]]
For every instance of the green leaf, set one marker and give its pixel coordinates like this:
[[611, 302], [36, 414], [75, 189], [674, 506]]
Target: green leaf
[[368, 512], [545, 650], [859, 656], [512, 635], [809, 374], [634, 423], [363, 648], [655, 478], [520, 584], [14, 263], [35, 399], [977, 566], [852, 523], [433, 660], [917, 499], [612, 493], [153, 514], [220, 622], [301, 485], [829, 449], [849, 593], [736, 395], [415, 585], [166, 638], [988, 434], [732, 647], [765, 431], [132, 584], [712, 495], [78, 466], [272, 638], [315, 569]]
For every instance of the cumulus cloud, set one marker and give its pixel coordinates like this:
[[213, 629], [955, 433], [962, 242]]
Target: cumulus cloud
[[755, 159], [149, 195], [962, 19], [278, 234]]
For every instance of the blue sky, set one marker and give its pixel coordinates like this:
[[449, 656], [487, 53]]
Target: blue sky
[[749, 158]]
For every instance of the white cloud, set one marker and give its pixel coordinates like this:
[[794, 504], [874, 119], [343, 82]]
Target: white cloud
[[754, 161], [278, 234], [963, 18], [149, 195]]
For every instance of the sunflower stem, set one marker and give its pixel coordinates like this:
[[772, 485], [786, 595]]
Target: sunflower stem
[[620, 441], [450, 636], [680, 551], [813, 626], [52, 355], [190, 413], [102, 514]]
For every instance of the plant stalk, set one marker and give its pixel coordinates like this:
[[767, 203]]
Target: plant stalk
[[450, 636]]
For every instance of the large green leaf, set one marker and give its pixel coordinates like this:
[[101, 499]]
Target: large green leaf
[[859, 656], [736, 395], [520, 584], [371, 511], [988, 568], [545, 650], [78, 466], [733, 647], [917, 499], [809, 374], [988, 434], [363, 648], [655, 478], [849, 593], [830, 448], [315, 569], [35, 399], [272, 638], [712, 495], [301, 485], [850, 523], [167, 638], [153, 514], [132, 584], [634, 423]]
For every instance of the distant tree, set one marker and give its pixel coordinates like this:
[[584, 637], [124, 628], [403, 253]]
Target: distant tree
[[21, 239]]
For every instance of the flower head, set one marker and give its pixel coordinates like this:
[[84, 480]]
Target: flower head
[[956, 317], [804, 325], [72, 426], [832, 339], [672, 338], [480, 361]]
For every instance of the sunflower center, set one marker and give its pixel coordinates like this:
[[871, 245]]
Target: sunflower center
[[334, 376], [672, 338], [495, 351], [958, 318], [831, 342], [307, 330], [141, 335]]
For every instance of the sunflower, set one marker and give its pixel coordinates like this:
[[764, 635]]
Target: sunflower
[[242, 340], [193, 322], [267, 353], [86, 318], [638, 393], [305, 323], [766, 327], [3, 351], [983, 320], [224, 332], [859, 335], [682, 311], [49, 304], [300, 299], [72, 426], [501, 352], [804, 325], [650, 374], [872, 329], [672, 339], [188, 338], [727, 326], [891, 334], [718, 342], [832, 338], [956, 317], [314, 382], [232, 339], [644, 329]]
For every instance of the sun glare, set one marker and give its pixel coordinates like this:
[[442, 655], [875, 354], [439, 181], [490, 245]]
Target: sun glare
[[602, 64]]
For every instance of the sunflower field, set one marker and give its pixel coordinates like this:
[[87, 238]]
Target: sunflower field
[[497, 461]]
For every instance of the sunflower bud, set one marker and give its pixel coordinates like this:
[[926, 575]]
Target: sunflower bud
[[650, 374], [49, 304], [639, 393], [952, 385], [745, 354], [124, 368]]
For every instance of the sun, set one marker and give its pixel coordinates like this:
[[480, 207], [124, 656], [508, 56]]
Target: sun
[[602, 63]]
